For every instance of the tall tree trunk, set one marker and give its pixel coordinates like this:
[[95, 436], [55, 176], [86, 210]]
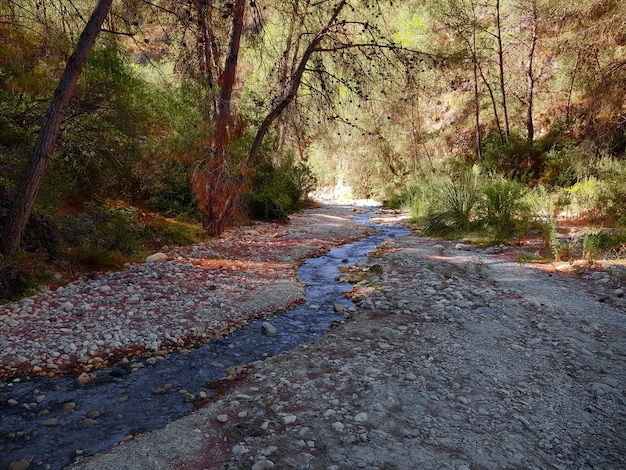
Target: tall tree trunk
[[507, 131], [479, 139], [570, 91], [494, 104], [208, 52], [213, 189], [530, 85], [11, 233]]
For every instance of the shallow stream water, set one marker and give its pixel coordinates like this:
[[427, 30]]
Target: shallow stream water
[[74, 419]]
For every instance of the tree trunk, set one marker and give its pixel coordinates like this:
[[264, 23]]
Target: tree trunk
[[213, 189], [530, 86], [11, 233], [507, 131], [494, 104], [216, 225], [479, 139]]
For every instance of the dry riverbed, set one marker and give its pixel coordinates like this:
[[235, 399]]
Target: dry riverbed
[[452, 358]]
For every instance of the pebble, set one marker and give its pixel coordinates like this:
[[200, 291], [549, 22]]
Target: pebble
[[263, 465], [289, 419], [22, 464], [268, 329]]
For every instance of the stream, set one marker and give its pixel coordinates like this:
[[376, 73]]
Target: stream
[[73, 419]]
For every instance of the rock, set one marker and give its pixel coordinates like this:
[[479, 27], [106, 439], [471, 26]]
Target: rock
[[239, 450], [67, 306], [90, 422], [268, 329], [157, 258], [376, 269], [290, 419], [21, 464], [50, 422], [69, 407], [337, 307], [337, 426], [85, 378], [361, 417], [263, 465], [485, 311], [222, 418], [161, 390]]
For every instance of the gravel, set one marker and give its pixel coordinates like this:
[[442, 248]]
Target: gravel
[[454, 358]]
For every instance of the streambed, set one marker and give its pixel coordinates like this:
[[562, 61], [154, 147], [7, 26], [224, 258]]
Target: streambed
[[53, 421]]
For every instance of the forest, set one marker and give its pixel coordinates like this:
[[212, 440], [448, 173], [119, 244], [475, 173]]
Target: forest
[[129, 126]]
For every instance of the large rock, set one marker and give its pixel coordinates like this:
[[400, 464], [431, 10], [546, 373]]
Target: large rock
[[156, 258]]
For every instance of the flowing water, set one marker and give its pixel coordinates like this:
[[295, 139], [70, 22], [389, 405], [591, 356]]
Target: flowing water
[[122, 401]]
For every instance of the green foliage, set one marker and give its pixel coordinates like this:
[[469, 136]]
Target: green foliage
[[411, 197], [21, 273], [603, 240], [168, 190], [104, 233], [563, 167], [275, 192], [165, 232], [504, 204], [508, 158], [451, 200]]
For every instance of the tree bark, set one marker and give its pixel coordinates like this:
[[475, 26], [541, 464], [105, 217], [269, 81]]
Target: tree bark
[[530, 85], [507, 131], [479, 138], [212, 187], [11, 233]]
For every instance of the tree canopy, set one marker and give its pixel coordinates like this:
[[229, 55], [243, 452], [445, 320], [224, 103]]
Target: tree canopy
[[193, 101]]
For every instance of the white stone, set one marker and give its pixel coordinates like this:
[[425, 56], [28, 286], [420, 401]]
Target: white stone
[[156, 258], [263, 465], [289, 419]]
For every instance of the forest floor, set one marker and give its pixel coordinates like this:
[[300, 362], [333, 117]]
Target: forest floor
[[454, 357]]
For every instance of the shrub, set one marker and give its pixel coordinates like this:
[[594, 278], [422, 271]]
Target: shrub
[[602, 241], [164, 232], [562, 166], [104, 229], [507, 158], [20, 273], [276, 192], [168, 190], [451, 200], [504, 204], [40, 236]]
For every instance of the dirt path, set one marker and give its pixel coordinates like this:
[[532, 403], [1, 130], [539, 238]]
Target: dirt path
[[452, 359]]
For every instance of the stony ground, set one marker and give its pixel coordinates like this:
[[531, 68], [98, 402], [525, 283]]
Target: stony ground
[[452, 359], [192, 295]]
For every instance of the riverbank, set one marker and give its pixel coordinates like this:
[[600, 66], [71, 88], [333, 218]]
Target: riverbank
[[194, 294]]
